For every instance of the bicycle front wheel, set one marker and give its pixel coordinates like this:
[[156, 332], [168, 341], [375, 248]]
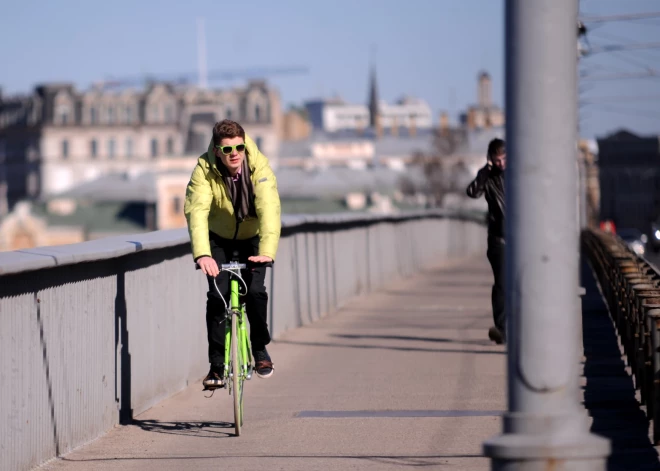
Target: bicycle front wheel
[[237, 379]]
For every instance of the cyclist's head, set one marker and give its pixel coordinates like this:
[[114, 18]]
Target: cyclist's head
[[229, 144], [497, 153]]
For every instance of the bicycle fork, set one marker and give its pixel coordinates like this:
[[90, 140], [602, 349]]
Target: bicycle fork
[[242, 339], [243, 344]]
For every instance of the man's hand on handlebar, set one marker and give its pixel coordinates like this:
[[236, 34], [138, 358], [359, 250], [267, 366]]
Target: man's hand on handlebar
[[208, 266], [260, 259]]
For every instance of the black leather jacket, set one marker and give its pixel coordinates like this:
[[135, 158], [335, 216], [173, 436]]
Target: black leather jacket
[[491, 183]]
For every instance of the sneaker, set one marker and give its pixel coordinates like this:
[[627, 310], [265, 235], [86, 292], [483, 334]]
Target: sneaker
[[214, 379], [496, 336], [262, 364]]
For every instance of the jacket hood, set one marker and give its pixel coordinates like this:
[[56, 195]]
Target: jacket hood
[[210, 156]]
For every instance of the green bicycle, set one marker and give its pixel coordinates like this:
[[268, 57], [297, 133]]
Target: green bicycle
[[238, 356]]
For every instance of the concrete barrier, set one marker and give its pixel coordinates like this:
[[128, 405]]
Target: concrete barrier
[[95, 333]]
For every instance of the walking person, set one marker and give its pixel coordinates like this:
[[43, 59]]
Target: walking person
[[490, 183]]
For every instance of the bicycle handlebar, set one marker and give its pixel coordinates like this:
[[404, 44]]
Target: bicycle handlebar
[[248, 263]]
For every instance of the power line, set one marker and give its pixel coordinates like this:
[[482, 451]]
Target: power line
[[633, 61], [622, 47], [631, 98], [627, 17], [625, 39], [627, 111], [626, 75]]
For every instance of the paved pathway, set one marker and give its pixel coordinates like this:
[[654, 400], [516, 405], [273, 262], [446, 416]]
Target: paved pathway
[[418, 347]]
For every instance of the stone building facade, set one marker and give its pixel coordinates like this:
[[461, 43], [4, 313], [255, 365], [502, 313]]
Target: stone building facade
[[57, 138]]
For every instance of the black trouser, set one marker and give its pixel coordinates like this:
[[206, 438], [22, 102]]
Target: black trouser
[[495, 255], [256, 301]]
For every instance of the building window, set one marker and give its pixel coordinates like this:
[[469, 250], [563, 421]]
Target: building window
[[154, 113], [111, 115], [111, 148], [258, 141], [168, 113], [129, 147], [129, 113], [257, 113], [62, 115], [154, 148], [92, 115], [228, 113], [170, 146], [176, 205], [32, 183], [32, 150], [65, 149], [93, 148]]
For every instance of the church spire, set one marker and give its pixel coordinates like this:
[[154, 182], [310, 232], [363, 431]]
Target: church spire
[[373, 93]]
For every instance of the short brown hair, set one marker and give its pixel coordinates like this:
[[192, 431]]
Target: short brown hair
[[496, 147], [226, 129]]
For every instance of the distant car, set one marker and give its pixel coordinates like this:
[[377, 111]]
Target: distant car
[[655, 236], [635, 239]]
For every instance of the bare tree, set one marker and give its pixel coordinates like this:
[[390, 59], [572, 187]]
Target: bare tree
[[433, 164]]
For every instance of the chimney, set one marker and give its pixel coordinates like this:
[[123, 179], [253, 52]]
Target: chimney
[[4, 206], [471, 119], [378, 126], [444, 123], [484, 91]]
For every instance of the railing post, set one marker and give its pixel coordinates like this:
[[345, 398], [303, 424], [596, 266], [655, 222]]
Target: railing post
[[545, 426]]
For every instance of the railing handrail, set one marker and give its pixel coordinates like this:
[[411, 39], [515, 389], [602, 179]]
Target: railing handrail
[[630, 286], [38, 258]]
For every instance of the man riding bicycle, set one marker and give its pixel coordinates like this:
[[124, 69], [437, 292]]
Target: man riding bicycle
[[233, 212]]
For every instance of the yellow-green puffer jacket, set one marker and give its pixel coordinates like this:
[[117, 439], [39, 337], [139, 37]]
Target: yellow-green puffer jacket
[[208, 206]]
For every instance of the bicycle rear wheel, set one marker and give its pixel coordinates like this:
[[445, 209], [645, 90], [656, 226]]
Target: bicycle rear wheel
[[237, 378]]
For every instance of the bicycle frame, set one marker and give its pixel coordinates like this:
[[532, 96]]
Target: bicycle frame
[[238, 356], [235, 308]]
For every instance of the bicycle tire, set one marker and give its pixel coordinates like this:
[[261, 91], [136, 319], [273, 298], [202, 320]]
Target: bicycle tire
[[237, 380]]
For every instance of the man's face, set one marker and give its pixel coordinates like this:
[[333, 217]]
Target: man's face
[[499, 162], [232, 152]]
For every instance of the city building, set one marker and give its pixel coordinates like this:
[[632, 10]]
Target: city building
[[295, 125], [406, 116], [57, 138], [629, 177], [114, 204], [484, 114]]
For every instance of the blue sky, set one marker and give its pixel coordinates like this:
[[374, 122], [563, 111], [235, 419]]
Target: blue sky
[[432, 49]]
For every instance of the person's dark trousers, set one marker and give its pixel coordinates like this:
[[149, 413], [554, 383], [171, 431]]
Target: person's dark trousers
[[495, 255], [256, 301]]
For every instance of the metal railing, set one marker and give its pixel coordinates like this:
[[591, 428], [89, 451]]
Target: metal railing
[[631, 288], [93, 334]]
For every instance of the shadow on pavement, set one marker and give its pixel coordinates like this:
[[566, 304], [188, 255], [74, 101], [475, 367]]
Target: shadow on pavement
[[484, 343], [609, 394], [390, 347], [398, 460], [189, 429]]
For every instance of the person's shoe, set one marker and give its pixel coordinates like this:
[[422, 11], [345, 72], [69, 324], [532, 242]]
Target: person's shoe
[[496, 336], [214, 380], [262, 364]]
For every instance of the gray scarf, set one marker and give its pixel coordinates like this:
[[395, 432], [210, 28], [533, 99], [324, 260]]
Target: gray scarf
[[241, 192]]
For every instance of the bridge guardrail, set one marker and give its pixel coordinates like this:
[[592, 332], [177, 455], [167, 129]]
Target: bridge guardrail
[[93, 334], [631, 288]]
